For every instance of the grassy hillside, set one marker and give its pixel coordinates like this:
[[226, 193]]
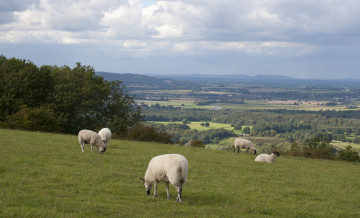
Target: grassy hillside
[[48, 175]]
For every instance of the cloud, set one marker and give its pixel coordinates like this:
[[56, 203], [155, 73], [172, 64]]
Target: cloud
[[191, 28]]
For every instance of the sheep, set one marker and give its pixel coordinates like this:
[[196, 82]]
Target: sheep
[[90, 137], [168, 168], [244, 143], [267, 158], [105, 135]]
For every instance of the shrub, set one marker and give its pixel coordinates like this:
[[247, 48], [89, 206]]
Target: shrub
[[196, 143], [149, 134], [348, 154], [32, 119], [315, 147]]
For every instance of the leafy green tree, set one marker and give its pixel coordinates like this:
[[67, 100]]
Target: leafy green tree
[[246, 130], [22, 83], [75, 98], [185, 121], [78, 98], [120, 111], [348, 154]]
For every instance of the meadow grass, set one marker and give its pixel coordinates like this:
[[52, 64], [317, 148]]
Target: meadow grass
[[345, 144], [197, 125], [47, 175], [249, 105]]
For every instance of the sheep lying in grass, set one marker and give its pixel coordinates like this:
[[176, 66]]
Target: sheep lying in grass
[[168, 168], [244, 143], [105, 135], [90, 137], [267, 158]]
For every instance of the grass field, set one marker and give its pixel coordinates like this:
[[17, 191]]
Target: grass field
[[197, 126], [47, 175], [252, 104], [345, 144]]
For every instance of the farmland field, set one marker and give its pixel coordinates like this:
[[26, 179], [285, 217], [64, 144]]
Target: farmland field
[[252, 104], [47, 175], [197, 126]]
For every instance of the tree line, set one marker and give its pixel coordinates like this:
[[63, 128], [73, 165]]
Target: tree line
[[62, 99]]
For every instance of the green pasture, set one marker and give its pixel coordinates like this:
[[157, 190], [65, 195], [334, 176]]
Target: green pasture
[[183, 103], [47, 175], [249, 105], [265, 105], [198, 127], [345, 144]]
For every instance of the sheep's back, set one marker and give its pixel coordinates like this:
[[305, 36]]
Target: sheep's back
[[166, 168], [90, 137], [243, 143], [265, 158], [105, 134], [87, 134]]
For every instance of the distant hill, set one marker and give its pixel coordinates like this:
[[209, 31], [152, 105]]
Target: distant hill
[[263, 80], [184, 81]]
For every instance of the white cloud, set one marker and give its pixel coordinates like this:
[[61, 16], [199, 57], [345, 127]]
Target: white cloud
[[133, 28]]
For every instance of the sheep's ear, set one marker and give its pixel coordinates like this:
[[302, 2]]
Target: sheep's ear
[[142, 179]]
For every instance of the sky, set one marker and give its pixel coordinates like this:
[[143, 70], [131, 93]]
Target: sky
[[302, 39]]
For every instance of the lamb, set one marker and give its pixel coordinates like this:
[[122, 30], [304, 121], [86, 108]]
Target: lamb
[[90, 137], [267, 158], [105, 135], [168, 168], [244, 143]]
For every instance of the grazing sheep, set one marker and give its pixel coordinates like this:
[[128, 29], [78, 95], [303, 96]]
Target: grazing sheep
[[105, 135], [267, 158], [168, 168], [90, 137], [244, 143]]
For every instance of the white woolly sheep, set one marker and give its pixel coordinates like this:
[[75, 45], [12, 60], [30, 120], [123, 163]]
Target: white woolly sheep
[[244, 143], [168, 168], [90, 137], [105, 135], [267, 158]]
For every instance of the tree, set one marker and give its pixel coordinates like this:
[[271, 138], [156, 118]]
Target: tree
[[120, 111], [185, 121], [74, 98], [22, 83], [246, 130], [348, 154], [78, 98]]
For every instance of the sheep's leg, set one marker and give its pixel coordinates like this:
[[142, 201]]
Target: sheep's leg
[[238, 150], [167, 191], [179, 189], [155, 188], [91, 147], [81, 145]]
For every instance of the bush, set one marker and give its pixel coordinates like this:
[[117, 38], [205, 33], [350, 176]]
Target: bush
[[149, 134], [32, 119], [315, 147], [196, 143], [349, 155]]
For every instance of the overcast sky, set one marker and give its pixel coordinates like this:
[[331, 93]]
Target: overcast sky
[[302, 39]]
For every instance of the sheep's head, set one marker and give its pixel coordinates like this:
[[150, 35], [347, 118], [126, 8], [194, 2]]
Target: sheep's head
[[147, 186], [254, 151], [102, 149], [276, 153], [101, 146]]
